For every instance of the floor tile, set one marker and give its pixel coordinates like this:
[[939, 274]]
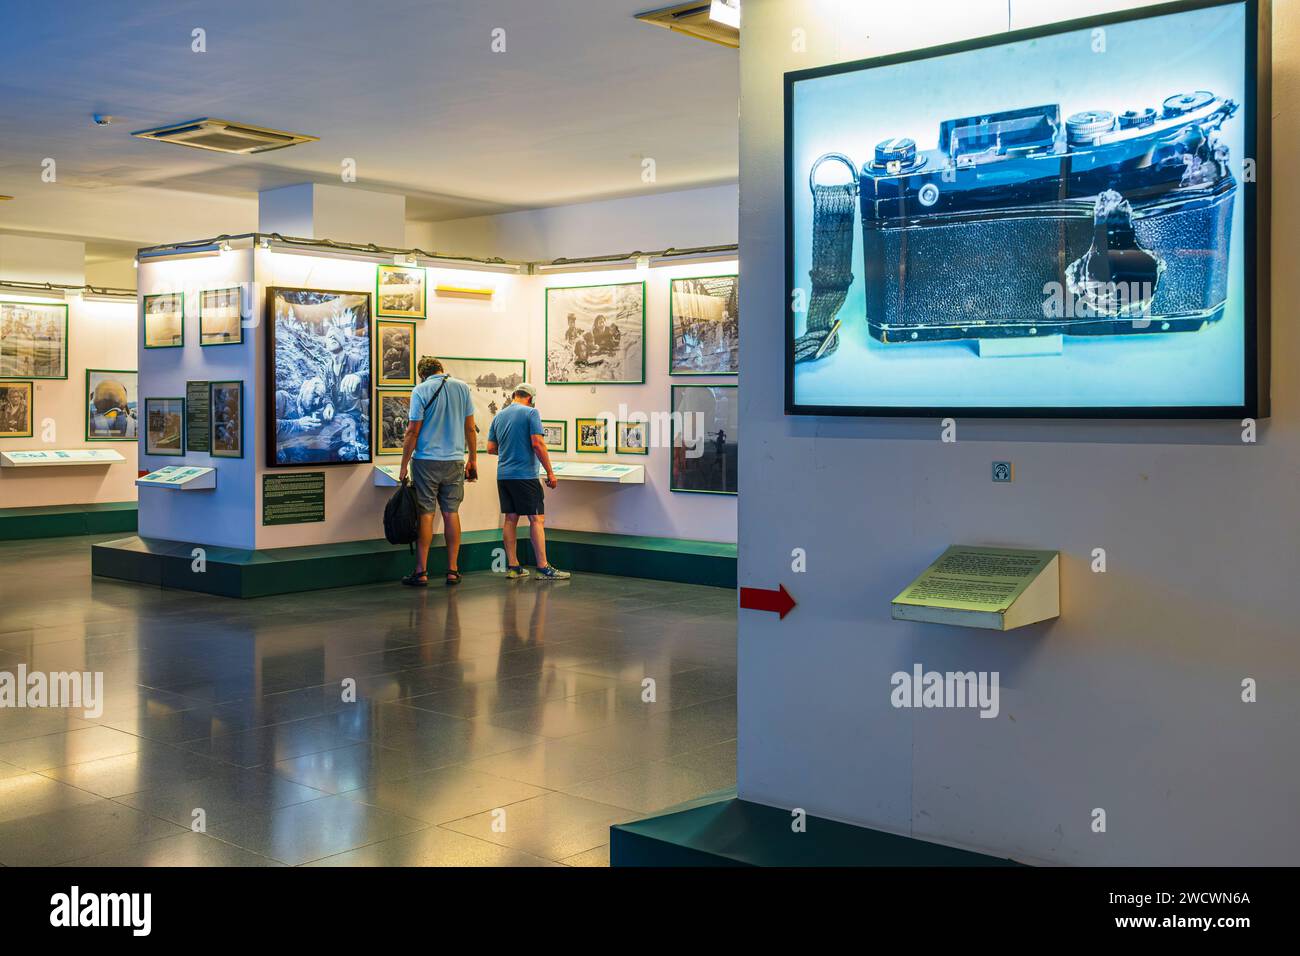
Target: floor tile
[[553, 826], [184, 849], [597, 856], [228, 792], [434, 847], [439, 796], [76, 832], [62, 749]]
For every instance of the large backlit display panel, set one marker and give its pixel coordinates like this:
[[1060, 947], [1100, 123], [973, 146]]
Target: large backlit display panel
[[1058, 222]]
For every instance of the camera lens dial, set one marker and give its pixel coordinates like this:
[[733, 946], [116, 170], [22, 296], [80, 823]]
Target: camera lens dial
[[1081, 129], [1134, 119], [1181, 103], [896, 154]]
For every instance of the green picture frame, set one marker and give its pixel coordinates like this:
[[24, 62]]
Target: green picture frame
[[677, 459], [563, 447], [578, 447], [480, 395], [383, 313], [622, 448], [119, 414], [144, 307], [672, 326], [407, 378], [7, 409], [215, 446], [564, 342], [377, 420], [177, 405], [8, 349], [239, 324]]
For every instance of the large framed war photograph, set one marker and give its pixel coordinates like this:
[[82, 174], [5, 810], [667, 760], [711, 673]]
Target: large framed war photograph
[[320, 376], [111, 405], [595, 335], [492, 384], [164, 320], [33, 340], [1026, 226], [704, 326]]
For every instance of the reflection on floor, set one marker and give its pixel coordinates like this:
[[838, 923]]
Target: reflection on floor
[[498, 723]]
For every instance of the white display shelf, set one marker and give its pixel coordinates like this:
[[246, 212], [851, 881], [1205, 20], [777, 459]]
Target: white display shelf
[[180, 478], [386, 476], [607, 472], [47, 459]]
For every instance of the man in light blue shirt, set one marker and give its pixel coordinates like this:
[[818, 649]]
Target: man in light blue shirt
[[440, 432], [517, 438]]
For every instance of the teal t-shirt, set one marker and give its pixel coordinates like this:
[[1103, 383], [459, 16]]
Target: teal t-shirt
[[442, 436], [513, 430]]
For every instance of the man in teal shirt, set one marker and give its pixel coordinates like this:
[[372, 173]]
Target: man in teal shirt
[[517, 438], [439, 434]]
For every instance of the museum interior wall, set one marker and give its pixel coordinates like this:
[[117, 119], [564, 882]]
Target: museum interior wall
[[1131, 700], [101, 335]]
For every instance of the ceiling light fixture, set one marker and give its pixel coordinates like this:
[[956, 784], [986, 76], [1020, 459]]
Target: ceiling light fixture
[[697, 19], [223, 136]]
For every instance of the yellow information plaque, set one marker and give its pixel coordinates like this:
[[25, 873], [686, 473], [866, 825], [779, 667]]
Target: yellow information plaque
[[996, 588]]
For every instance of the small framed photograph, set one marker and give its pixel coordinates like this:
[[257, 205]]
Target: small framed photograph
[[395, 353], [706, 444], [220, 317], [591, 437], [226, 402], [392, 415], [704, 325], [15, 409], [164, 320], [631, 438], [111, 405], [401, 292], [33, 340], [556, 435], [164, 432]]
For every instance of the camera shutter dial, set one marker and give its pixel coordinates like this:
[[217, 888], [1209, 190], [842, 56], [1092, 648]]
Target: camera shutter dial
[[896, 155], [1181, 103], [1135, 119], [1082, 129]]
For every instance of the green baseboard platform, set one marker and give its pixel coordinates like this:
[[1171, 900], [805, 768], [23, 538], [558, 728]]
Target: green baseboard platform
[[726, 831], [58, 521], [231, 572]]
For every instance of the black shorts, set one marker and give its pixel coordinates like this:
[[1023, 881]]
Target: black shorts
[[521, 496]]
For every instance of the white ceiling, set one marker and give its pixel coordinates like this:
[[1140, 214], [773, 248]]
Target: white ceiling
[[409, 89]]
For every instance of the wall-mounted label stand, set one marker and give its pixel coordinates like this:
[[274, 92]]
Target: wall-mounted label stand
[[995, 588], [72, 456], [180, 478], [386, 476], [598, 471]]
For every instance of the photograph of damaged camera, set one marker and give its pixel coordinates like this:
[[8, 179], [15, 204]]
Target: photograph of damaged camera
[[1073, 242]]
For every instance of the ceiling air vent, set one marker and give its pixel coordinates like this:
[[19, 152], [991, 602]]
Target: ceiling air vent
[[222, 136], [696, 20]]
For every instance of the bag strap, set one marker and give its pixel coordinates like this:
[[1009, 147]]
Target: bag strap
[[435, 397], [832, 261]]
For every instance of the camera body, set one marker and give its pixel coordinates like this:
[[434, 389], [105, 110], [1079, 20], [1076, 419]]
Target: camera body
[[1019, 224]]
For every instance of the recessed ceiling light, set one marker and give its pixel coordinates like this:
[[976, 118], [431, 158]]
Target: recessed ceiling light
[[223, 136], [696, 19]]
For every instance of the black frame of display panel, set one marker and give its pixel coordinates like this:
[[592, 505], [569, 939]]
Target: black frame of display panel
[[1256, 286]]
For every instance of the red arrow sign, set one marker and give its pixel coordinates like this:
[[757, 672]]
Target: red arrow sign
[[758, 599]]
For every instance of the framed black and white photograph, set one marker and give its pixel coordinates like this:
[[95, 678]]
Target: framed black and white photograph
[[556, 435], [706, 439], [164, 426], [395, 353], [319, 371], [704, 333], [164, 320], [595, 335], [631, 438], [226, 401], [591, 436], [33, 340], [220, 317], [111, 413], [16, 409], [492, 384], [401, 292], [392, 415]]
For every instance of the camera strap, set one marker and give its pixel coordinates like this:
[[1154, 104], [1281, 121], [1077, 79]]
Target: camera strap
[[832, 267]]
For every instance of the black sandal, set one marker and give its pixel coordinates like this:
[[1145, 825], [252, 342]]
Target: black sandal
[[453, 577], [416, 579]]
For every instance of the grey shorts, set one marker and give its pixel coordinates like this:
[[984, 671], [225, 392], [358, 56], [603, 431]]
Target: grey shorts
[[439, 485]]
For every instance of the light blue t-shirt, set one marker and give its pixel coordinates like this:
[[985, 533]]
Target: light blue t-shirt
[[442, 436], [513, 430]]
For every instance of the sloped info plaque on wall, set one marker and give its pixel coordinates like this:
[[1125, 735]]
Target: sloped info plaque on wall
[[995, 588]]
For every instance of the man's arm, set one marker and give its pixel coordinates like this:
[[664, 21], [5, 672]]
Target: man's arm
[[544, 456], [408, 446], [471, 446]]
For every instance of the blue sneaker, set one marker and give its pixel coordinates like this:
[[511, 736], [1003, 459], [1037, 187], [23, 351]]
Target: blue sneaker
[[550, 573]]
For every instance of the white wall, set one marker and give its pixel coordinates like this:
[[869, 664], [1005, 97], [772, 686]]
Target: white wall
[[1130, 701], [101, 334], [685, 218]]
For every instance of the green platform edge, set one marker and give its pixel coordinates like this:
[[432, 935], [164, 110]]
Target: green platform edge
[[58, 521], [723, 830], [237, 573]]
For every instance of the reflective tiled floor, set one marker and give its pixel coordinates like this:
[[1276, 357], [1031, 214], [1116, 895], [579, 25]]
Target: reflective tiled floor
[[498, 723]]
